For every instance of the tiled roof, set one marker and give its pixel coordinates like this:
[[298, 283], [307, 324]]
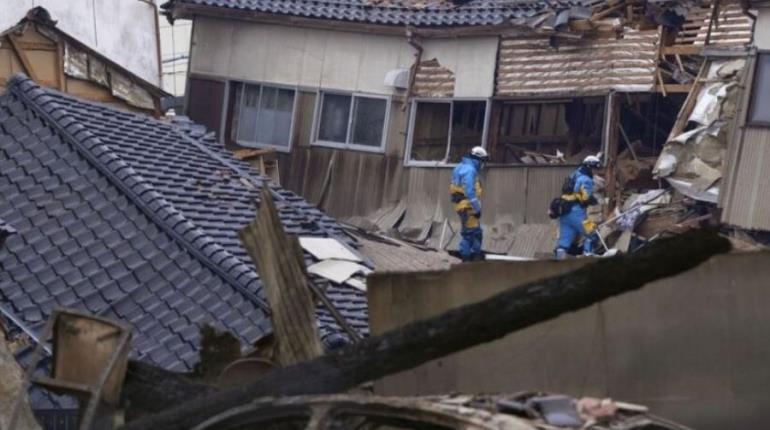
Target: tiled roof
[[132, 218], [423, 13]]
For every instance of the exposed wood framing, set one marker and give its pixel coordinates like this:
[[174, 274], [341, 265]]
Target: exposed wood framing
[[22, 56], [613, 121], [455, 330], [62, 78]]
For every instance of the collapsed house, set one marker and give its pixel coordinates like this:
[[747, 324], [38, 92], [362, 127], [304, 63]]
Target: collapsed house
[[37, 47], [373, 102], [131, 218]]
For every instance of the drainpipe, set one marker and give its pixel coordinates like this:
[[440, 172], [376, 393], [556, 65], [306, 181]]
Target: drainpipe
[[413, 40]]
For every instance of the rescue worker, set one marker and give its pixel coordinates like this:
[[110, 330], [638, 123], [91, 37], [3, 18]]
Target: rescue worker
[[465, 191], [574, 223]]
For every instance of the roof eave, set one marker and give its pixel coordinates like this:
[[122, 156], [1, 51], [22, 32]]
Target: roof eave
[[178, 10]]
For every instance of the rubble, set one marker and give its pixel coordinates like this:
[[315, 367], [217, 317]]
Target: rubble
[[693, 159]]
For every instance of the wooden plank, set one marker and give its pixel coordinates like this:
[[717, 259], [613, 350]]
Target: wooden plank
[[279, 259], [36, 46], [22, 56], [682, 50]]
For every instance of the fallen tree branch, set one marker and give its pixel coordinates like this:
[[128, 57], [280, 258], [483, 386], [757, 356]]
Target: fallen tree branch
[[460, 328]]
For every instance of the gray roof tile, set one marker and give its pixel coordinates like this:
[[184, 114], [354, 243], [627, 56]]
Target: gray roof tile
[[108, 225], [420, 13]]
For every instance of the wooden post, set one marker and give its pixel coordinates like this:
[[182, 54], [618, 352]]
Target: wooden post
[[281, 265], [612, 190]]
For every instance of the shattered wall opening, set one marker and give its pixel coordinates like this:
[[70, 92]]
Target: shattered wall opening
[[547, 132], [646, 120]]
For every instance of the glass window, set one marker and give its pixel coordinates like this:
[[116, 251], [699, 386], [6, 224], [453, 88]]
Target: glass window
[[431, 131], [759, 112], [265, 115], [335, 115], [436, 138], [352, 120], [368, 121]]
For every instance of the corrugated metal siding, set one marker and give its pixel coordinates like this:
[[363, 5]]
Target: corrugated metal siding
[[532, 66], [433, 80], [732, 27], [749, 206]]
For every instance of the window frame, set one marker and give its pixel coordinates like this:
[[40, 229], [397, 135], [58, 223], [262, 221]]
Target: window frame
[[753, 93], [237, 114], [451, 100], [315, 141]]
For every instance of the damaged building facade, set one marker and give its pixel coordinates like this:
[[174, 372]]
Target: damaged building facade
[[369, 104], [38, 47]]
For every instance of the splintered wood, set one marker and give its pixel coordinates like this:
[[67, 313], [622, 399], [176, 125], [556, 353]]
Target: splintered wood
[[281, 267]]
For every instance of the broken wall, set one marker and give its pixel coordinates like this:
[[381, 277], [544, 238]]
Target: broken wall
[[299, 56], [471, 60], [691, 347], [124, 31]]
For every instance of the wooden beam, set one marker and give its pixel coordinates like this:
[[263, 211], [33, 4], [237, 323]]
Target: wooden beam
[[36, 46], [28, 69], [674, 88], [612, 190], [455, 330], [61, 78], [683, 50], [280, 261]]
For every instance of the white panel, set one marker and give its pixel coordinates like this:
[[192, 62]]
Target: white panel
[[245, 60], [762, 29], [313, 60], [472, 60], [212, 40], [126, 33], [344, 54], [295, 56]]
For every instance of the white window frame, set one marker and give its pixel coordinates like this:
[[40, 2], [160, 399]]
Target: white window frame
[[413, 116], [315, 141], [261, 85]]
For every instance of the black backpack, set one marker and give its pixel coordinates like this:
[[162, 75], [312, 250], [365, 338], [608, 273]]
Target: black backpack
[[568, 187], [559, 206]]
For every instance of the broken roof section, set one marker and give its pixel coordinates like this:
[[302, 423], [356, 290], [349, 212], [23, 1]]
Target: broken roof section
[[136, 219], [419, 13]]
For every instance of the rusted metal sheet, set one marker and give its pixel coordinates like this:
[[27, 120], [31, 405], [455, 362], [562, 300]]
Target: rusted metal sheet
[[732, 27], [433, 80], [531, 66], [748, 205]]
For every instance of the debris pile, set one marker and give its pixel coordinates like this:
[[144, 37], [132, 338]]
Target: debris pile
[[693, 159]]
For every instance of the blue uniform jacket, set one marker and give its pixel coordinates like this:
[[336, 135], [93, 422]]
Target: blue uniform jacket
[[584, 189], [466, 176]]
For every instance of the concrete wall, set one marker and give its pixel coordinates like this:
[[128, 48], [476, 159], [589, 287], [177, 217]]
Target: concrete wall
[[123, 30], [297, 56], [693, 347]]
